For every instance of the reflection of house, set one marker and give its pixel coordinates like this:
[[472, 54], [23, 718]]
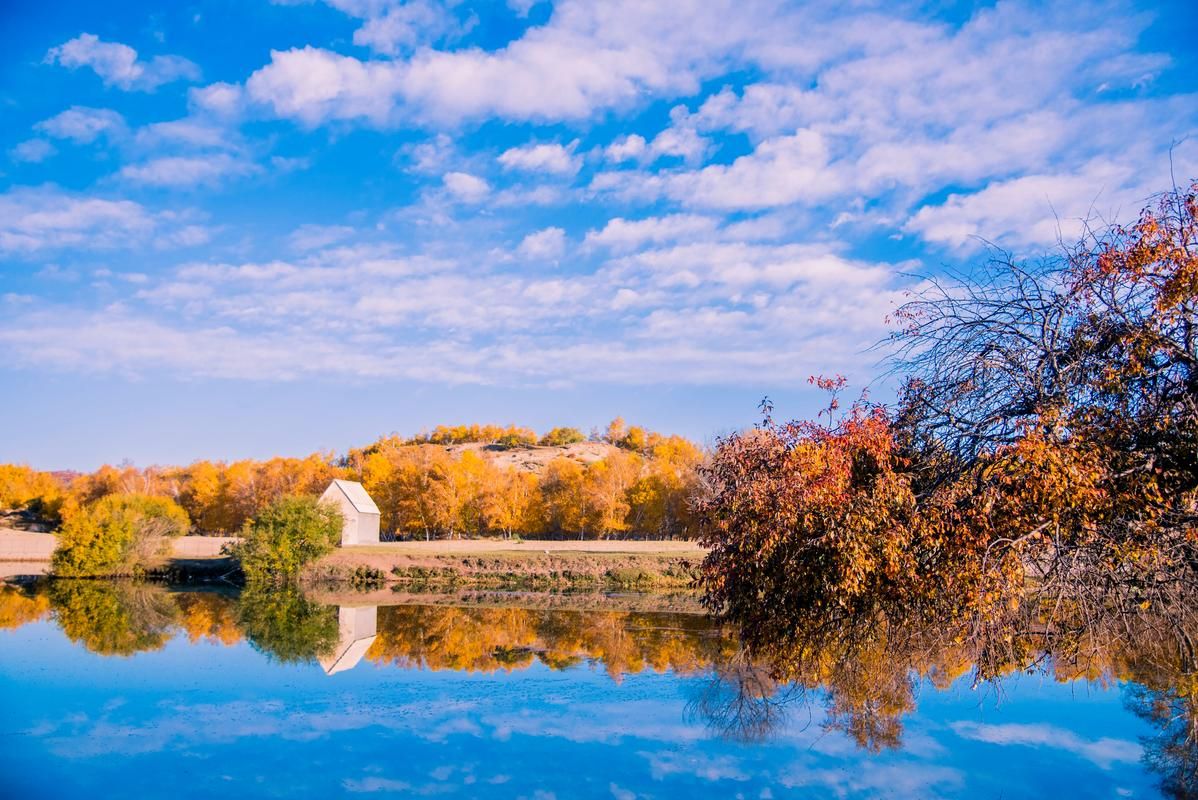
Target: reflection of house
[[357, 627], [360, 512]]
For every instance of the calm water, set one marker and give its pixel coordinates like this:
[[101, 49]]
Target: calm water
[[119, 691]]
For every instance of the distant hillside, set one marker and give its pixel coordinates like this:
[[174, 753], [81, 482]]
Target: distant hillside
[[533, 458]]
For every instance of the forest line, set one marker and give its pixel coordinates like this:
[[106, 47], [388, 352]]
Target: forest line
[[453, 481]]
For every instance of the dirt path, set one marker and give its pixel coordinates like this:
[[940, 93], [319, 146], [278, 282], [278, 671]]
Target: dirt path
[[22, 546], [475, 547]]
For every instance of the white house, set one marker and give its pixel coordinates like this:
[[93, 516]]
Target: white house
[[360, 512]]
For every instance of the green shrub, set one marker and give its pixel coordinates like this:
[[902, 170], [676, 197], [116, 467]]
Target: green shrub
[[285, 536], [120, 534]]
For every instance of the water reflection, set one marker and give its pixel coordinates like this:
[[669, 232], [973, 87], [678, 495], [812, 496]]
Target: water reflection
[[861, 680], [357, 628]]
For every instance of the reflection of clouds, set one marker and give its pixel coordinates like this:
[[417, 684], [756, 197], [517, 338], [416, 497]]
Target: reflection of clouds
[[183, 725], [709, 768], [902, 779], [604, 723], [1103, 752], [620, 794], [635, 739], [375, 785]]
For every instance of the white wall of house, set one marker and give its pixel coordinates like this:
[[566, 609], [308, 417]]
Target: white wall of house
[[359, 511]]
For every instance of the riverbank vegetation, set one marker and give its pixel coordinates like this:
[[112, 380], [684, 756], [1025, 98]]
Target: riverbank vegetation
[[285, 537], [118, 535], [460, 481], [1042, 455]]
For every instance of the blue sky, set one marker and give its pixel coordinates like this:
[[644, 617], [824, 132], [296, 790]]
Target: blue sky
[[244, 228]]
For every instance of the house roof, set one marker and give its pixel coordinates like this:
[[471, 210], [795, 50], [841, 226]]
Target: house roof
[[357, 496]]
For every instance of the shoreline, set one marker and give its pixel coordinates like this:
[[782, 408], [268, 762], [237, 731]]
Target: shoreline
[[439, 564]]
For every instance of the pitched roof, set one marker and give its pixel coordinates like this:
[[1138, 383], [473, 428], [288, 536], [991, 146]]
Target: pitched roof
[[357, 496]]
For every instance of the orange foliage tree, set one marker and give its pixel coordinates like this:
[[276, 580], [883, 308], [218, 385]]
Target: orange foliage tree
[[1046, 437]]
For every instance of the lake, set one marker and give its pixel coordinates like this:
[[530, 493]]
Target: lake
[[121, 690]]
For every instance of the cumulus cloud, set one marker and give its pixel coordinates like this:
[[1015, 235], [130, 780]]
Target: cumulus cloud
[[626, 148], [543, 245], [466, 187], [400, 26], [586, 58], [314, 85], [118, 64], [780, 171], [553, 159], [221, 99], [83, 125], [624, 234]]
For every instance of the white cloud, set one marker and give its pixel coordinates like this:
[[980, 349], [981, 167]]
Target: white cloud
[[187, 132], [46, 218], [185, 171], [314, 85], [763, 109], [118, 64], [221, 99], [544, 245], [32, 151], [681, 141], [625, 148], [466, 187], [780, 171], [404, 26], [83, 125], [550, 158], [622, 234], [587, 57], [1034, 210]]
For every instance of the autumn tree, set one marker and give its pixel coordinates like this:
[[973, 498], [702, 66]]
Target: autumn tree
[[24, 488], [562, 437], [1046, 438], [616, 430], [563, 489], [120, 534], [605, 489], [513, 502]]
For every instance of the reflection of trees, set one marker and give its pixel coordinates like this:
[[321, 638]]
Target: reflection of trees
[[867, 664], [1173, 751], [18, 607], [282, 623], [491, 639], [113, 618], [742, 701], [209, 617]]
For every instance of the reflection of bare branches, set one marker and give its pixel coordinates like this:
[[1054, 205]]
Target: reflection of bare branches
[[742, 701], [1173, 752]]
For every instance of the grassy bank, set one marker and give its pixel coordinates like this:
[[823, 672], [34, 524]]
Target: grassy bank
[[534, 565]]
